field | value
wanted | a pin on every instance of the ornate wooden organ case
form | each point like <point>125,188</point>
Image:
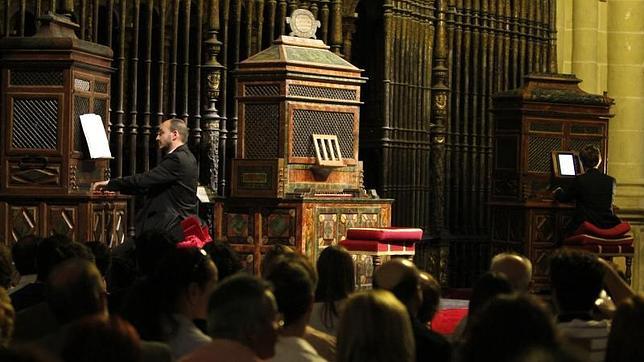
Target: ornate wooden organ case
<point>48,81</point>
<point>282,192</point>
<point>548,113</point>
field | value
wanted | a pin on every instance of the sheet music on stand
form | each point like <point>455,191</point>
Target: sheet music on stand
<point>95,136</point>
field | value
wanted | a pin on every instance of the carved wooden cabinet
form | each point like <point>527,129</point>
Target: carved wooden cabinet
<point>48,81</point>
<point>307,225</point>
<point>548,113</point>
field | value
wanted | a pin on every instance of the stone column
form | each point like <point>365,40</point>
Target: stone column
<point>586,53</point>
<point>625,83</point>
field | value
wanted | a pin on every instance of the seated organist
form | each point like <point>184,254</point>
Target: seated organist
<point>593,192</point>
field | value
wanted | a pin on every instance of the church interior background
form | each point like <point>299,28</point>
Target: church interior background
<point>426,124</point>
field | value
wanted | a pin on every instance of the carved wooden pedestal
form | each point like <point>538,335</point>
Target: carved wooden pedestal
<point>80,218</point>
<point>308,225</point>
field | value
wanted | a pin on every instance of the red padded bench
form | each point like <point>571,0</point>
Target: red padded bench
<point>379,242</point>
<point>606,243</point>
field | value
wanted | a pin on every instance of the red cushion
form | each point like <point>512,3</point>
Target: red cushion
<point>375,246</point>
<point>388,234</point>
<point>585,239</point>
<point>611,233</point>
<point>446,320</point>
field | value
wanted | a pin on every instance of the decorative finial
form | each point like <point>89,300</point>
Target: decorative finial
<point>303,24</point>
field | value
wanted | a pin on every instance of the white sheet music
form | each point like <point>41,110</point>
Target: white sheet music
<point>95,136</point>
<point>567,164</point>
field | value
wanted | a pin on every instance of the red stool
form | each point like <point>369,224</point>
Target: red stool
<point>606,243</point>
<point>379,242</point>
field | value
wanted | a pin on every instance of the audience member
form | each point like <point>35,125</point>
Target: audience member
<point>76,290</point>
<point>508,326</point>
<point>100,339</point>
<point>7,271</point>
<point>7,316</point>
<point>102,256</point>
<point>336,282</point>
<point>150,248</point>
<point>49,253</point>
<point>294,288</point>
<point>517,268</point>
<point>488,286</point>
<point>576,278</point>
<point>273,254</point>
<point>225,258</point>
<point>243,322</point>
<point>402,278</point>
<point>37,320</point>
<point>431,297</point>
<point>375,327</point>
<point>24,259</point>
<point>626,338</point>
<point>163,307</point>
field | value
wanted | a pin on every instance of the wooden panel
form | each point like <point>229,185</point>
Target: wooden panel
<point>23,221</point>
<point>62,220</point>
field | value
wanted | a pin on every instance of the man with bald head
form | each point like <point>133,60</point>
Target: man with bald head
<point>403,279</point>
<point>517,268</point>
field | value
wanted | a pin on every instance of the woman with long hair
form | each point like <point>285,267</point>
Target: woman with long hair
<point>375,327</point>
<point>336,281</point>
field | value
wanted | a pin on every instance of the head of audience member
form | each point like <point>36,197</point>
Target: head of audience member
<point>487,287</point>
<point>187,278</point>
<point>401,277</point>
<point>101,339</point>
<point>431,297</point>
<point>276,252</point>
<point>626,339</point>
<point>507,326</point>
<point>7,271</point>
<point>76,289</point>
<point>336,281</point>
<point>375,326</point>
<point>293,279</point>
<point>576,278</point>
<point>517,268</point>
<point>590,156</point>
<point>242,308</point>
<point>26,353</point>
<point>7,317</point>
<point>102,256</point>
<point>150,248</point>
<point>55,249</point>
<point>225,258</point>
<point>24,254</point>
<point>172,133</point>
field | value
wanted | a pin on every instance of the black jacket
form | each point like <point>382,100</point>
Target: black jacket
<point>593,193</point>
<point>170,192</point>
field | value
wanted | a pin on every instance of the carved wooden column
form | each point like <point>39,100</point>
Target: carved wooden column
<point>440,96</point>
<point>209,174</point>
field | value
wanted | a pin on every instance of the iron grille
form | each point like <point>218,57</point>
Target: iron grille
<point>81,106</point>
<point>100,108</point>
<point>307,122</point>
<point>35,123</point>
<point>100,87</point>
<point>576,144</point>
<point>539,150</point>
<point>261,130</point>
<point>260,90</point>
<point>31,78</point>
<point>322,92</point>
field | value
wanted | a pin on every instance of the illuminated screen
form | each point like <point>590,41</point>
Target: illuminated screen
<point>567,164</point>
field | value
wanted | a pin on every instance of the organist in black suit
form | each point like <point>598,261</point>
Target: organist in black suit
<point>593,192</point>
<point>170,188</point>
